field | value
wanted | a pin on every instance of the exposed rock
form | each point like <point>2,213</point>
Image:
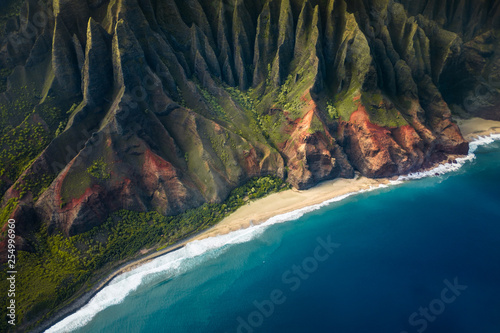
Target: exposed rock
<point>285,44</point>
<point>376,151</point>
<point>97,71</point>
<point>312,156</point>
<point>243,39</point>
<point>157,94</point>
<point>337,86</point>
<point>64,59</point>
<point>225,55</point>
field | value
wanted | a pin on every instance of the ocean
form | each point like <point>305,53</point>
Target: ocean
<point>421,255</point>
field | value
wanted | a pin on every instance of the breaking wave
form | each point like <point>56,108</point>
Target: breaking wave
<point>459,162</point>
<point>195,252</point>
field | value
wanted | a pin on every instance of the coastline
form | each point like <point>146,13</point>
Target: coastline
<point>476,127</point>
<point>261,210</point>
<point>254,213</point>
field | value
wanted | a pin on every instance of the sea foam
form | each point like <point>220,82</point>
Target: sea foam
<point>459,162</point>
<point>195,252</point>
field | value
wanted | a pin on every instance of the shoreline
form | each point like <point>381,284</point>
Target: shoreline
<point>288,201</point>
<point>261,210</point>
<point>474,128</point>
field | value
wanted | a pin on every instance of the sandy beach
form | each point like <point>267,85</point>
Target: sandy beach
<point>259,211</point>
<point>475,127</point>
<point>255,212</point>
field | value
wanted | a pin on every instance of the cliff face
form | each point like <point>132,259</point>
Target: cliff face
<point>165,105</point>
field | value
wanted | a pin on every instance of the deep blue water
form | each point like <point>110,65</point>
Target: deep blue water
<point>398,251</point>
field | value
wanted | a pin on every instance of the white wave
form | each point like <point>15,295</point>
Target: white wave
<point>459,162</point>
<point>175,263</point>
<point>296,214</point>
<point>168,265</point>
<point>440,169</point>
<point>181,260</point>
<point>483,140</point>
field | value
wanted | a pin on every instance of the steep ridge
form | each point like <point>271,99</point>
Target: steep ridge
<point>356,83</point>
<point>175,103</point>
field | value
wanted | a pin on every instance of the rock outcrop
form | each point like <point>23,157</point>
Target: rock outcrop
<point>167,105</point>
<point>178,102</point>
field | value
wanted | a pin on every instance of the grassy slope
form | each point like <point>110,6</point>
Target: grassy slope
<point>63,268</point>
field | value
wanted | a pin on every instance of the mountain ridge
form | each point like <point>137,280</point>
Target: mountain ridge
<point>164,106</point>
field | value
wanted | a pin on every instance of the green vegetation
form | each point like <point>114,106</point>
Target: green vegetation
<point>98,170</point>
<point>285,99</point>
<point>332,111</point>
<point>13,113</point>
<point>61,266</point>
<point>29,182</point>
<point>72,109</point>
<point>212,102</point>
<point>268,125</point>
<point>20,146</point>
<point>181,101</point>
<point>76,182</point>
<point>269,81</point>
<point>245,100</point>
<point>34,183</point>
<point>7,210</point>
<point>4,74</point>
<point>52,114</point>
<point>22,138</point>
<point>9,9</point>
<point>380,113</point>
<point>316,125</point>
<point>274,126</point>
<point>218,145</point>
<point>64,122</point>
<point>345,103</point>
<point>60,128</point>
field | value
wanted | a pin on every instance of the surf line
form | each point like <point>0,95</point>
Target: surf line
<point>82,313</point>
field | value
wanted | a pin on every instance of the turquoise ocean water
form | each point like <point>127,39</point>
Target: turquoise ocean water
<point>418,256</point>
